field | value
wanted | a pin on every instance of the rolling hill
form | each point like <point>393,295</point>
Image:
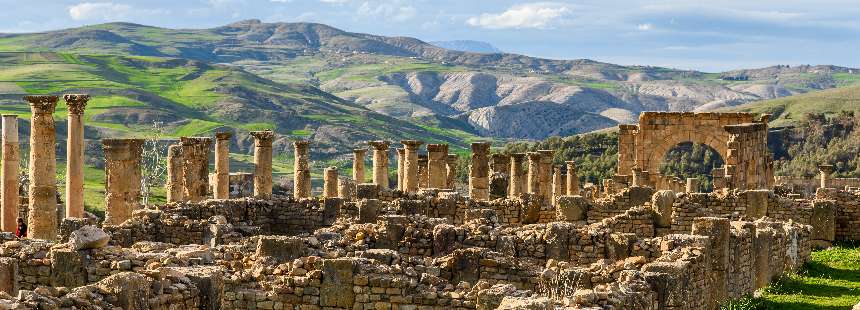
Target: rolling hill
<point>791,110</point>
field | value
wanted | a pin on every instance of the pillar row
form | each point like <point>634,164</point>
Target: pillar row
<point>263,163</point>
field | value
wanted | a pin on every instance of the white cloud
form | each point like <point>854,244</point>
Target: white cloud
<point>390,11</point>
<point>334,1</point>
<point>99,11</point>
<point>645,27</point>
<point>529,15</point>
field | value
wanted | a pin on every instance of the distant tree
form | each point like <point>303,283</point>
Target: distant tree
<point>153,168</point>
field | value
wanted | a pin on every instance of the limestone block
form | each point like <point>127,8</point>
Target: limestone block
<point>557,240</point>
<point>444,239</point>
<point>661,203</point>
<point>491,298</point>
<point>639,195</point>
<point>131,289</point>
<point>571,208</point>
<point>757,203</point>
<point>282,248</point>
<point>368,210</point>
<point>209,281</point>
<point>9,275</point>
<point>530,208</point>
<point>384,256</point>
<point>366,191</point>
<point>823,220</point>
<point>336,286</point>
<point>718,230</point>
<point>331,207</point>
<point>89,237</point>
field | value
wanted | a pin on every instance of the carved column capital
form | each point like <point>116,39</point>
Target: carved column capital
<point>223,136</point>
<point>263,138</point>
<point>76,102</point>
<point>380,145</point>
<point>42,104</point>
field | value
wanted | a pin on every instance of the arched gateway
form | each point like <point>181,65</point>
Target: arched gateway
<point>739,138</point>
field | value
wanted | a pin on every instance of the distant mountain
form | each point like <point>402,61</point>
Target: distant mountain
<point>426,90</point>
<point>468,46</point>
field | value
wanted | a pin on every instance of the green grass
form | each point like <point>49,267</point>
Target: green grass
<point>830,280</point>
<point>788,110</point>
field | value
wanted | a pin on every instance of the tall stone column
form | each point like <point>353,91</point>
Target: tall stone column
<point>380,162</point>
<point>479,171</point>
<point>451,171</point>
<point>533,179</point>
<point>826,175</point>
<point>10,174</point>
<point>222,165</point>
<point>263,163</point>
<point>358,165</point>
<point>302,169</point>
<point>75,155</point>
<point>557,184</point>
<point>401,166</point>
<point>437,155</point>
<point>175,174</point>
<point>423,176</point>
<point>546,173</point>
<point>517,176</point>
<point>572,179</point>
<point>42,216</point>
<point>330,180</point>
<point>122,174</point>
<point>195,155</point>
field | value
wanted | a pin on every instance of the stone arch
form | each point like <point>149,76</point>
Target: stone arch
<point>657,154</point>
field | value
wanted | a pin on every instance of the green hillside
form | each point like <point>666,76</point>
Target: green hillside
<point>791,110</point>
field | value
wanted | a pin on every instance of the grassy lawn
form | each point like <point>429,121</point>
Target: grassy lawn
<point>830,280</point>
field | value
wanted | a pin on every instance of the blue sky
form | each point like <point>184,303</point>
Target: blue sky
<point>687,34</point>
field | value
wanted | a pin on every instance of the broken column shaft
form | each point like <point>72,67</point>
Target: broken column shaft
<point>572,179</point>
<point>330,180</point>
<point>533,182</point>
<point>410,165</point>
<point>42,218</point>
<point>302,169</point>
<point>451,170</point>
<point>380,162</point>
<point>437,155</point>
<point>358,165</point>
<point>401,164</point>
<point>515,185</point>
<point>263,163</point>
<point>222,165</point>
<point>195,155</point>
<point>175,174</point>
<point>479,171</point>
<point>122,175</point>
<point>9,204</point>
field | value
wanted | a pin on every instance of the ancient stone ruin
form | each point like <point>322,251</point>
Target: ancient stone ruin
<point>526,234</point>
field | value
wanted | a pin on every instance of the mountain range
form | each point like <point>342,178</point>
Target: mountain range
<point>338,88</point>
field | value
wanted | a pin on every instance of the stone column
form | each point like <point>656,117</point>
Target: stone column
<point>451,171</point>
<point>122,174</point>
<point>175,174</point>
<point>75,155</point>
<point>358,165</point>
<point>692,185</point>
<point>533,179</point>
<point>515,185</point>
<point>330,180</point>
<point>401,166</point>
<point>546,173</point>
<point>302,170</point>
<point>558,188</point>
<point>10,174</point>
<point>380,162</point>
<point>479,171</point>
<point>42,216</point>
<point>263,163</point>
<point>195,155</point>
<point>572,179</point>
<point>410,165</point>
<point>222,165</point>
<point>636,180</point>
<point>437,155</point>
<point>826,175</point>
<point>423,176</point>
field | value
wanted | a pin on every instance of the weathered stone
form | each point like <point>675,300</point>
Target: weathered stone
<point>9,275</point>
<point>175,174</point>
<point>67,268</point>
<point>571,208</point>
<point>222,165</point>
<point>9,173</point>
<point>76,104</point>
<point>301,170</point>
<point>661,203</point>
<point>122,170</point>
<point>42,222</point>
<point>380,162</point>
<point>410,165</point>
<point>336,285</point>
<point>330,179</point>
<point>195,156</point>
<point>282,248</point>
<point>479,172</point>
<point>368,210</point>
<point>89,237</point>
